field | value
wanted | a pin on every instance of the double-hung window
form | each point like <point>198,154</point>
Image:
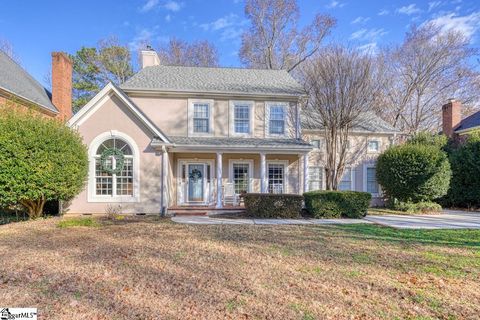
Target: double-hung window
<point>201,118</point>
<point>316,144</point>
<point>242,116</point>
<point>346,181</point>
<point>315,178</point>
<point>373,146</point>
<point>277,119</point>
<point>276,177</point>
<point>241,177</point>
<point>372,183</point>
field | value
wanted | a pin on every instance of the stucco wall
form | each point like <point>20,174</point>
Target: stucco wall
<point>358,155</point>
<point>170,114</point>
<point>113,115</point>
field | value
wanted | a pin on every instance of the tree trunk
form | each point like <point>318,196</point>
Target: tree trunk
<point>34,207</point>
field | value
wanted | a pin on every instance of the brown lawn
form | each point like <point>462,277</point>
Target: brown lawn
<point>146,268</point>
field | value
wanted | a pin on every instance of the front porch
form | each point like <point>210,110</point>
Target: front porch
<point>216,181</point>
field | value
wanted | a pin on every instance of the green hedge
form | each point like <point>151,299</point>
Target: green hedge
<point>337,204</point>
<point>414,172</point>
<point>418,207</point>
<point>266,205</point>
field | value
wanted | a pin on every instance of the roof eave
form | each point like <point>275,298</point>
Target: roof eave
<point>295,96</point>
<point>29,101</point>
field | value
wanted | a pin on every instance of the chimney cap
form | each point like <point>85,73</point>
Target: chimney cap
<point>149,48</point>
<point>451,100</point>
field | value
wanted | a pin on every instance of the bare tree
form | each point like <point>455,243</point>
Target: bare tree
<point>421,74</point>
<point>181,53</point>
<point>7,48</point>
<point>341,87</point>
<point>274,40</point>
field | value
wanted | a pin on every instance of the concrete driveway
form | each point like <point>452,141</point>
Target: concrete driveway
<point>448,220</point>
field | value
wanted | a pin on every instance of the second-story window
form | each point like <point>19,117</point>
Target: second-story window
<point>201,118</point>
<point>373,146</point>
<point>241,118</point>
<point>277,119</point>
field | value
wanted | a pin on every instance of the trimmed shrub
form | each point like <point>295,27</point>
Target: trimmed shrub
<point>428,139</point>
<point>414,172</point>
<point>418,207</point>
<point>337,204</point>
<point>267,205</point>
<point>40,160</point>
<point>465,185</point>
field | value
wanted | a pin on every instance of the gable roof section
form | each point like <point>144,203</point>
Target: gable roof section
<point>368,122</point>
<point>96,102</point>
<point>469,123</point>
<point>15,80</point>
<point>214,80</point>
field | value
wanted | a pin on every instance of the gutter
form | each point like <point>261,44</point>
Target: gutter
<point>9,94</point>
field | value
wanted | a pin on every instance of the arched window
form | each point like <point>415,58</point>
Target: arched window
<point>114,173</point>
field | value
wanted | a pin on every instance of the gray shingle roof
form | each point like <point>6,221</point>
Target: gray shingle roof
<point>469,122</point>
<point>239,142</point>
<point>14,79</point>
<point>367,122</point>
<point>215,80</point>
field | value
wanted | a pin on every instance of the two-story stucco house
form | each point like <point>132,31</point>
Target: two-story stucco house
<point>369,137</point>
<point>172,136</point>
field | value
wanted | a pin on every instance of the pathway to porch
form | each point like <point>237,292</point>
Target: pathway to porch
<point>209,220</point>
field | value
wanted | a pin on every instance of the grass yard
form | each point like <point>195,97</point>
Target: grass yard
<point>147,268</point>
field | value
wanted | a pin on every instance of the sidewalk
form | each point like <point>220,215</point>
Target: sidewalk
<point>208,220</point>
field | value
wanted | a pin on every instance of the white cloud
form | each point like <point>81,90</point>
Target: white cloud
<point>169,5</point>
<point>368,34</point>
<point>360,20</point>
<point>141,38</point>
<point>433,4</point>
<point>467,25</point>
<point>149,5</point>
<point>383,12</point>
<point>335,4</point>
<point>369,48</point>
<point>230,26</point>
<point>409,10</point>
<point>173,6</point>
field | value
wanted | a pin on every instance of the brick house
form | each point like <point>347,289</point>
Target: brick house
<point>18,89</point>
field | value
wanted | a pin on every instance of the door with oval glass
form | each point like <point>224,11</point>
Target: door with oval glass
<point>196,176</point>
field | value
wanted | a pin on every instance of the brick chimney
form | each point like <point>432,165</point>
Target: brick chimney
<point>451,115</point>
<point>62,84</point>
<point>149,57</point>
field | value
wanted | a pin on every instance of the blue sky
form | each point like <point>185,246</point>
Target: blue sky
<point>36,28</point>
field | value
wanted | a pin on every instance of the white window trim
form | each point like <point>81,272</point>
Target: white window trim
<point>178,176</point>
<point>286,173</point>
<point>251,105</point>
<point>322,170</point>
<point>365,166</point>
<point>231,162</point>
<point>92,150</point>
<point>372,150</point>
<point>352,178</point>
<point>321,142</point>
<point>268,105</point>
<point>211,130</point>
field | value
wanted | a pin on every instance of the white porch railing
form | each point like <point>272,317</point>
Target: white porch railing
<point>208,193</point>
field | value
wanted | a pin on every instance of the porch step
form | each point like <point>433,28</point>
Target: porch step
<point>202,210</point>
<point>188,213</point>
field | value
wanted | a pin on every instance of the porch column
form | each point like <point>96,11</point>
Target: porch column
<point>164,180</point>
<point>219,180</point>
<point>305,172</point>
<point>263,178</point>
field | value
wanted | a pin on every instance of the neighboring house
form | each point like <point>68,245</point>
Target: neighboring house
<point>369,137</point>
<point>453,125</point>
<point>20,90</point>
<point>187,136</point>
